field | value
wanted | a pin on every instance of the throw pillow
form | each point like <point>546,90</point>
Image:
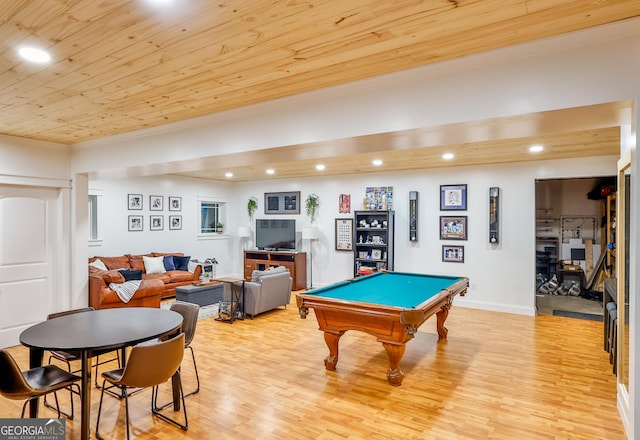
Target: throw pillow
<point>131,275</point>
<point>257,274</point>
<point>168,262</point>
<point>181,263</point>
<point>98,264</point>
<point>154,264</point>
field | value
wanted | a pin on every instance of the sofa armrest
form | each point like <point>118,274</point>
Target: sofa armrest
<point>96,284</point>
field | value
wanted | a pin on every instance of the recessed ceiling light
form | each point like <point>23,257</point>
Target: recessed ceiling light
<point>271,171</point>
<point>34,54</point>
<point>448,156</point>
<point>536,148</point>
<point>160,2</point>
<point>228,174</point>
<point>377,162</point>
<point>320,167</point>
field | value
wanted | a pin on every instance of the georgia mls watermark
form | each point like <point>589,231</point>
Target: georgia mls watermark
<point>33,429</point>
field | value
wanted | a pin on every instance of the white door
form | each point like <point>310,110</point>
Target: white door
<point>28,225</point>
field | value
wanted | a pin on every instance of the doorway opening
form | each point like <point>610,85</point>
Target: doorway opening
<point>575,251</point>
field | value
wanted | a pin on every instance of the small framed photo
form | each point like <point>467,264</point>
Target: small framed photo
<point>156,222</point>
<point>453,197</point>
<point>175,222</point>
<point>376,254</point>
<point>282,203</point>
<point>344,203</point>
<point>155,203</point>
<point>453,254</point>
<point>134,201</point>
<point>344,234</point>
<point>135,223</point>
<point>453,228</point>
<point>175,203</point>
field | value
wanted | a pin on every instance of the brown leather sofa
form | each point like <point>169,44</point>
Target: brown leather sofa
<point>153,288</point>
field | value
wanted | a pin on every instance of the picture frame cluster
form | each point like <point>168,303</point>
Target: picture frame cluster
<point>135,202</point>
<point>453,227</point>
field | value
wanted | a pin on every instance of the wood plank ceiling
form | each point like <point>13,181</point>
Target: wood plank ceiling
<point>122,65</point>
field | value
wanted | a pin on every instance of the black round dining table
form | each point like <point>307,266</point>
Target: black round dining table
<point>96,332</point>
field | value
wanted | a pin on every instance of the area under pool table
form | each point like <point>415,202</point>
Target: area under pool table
<point>388,305</point>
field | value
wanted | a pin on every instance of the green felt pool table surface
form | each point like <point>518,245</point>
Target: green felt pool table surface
<point>394,289</point>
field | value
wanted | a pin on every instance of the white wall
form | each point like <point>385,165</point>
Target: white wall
<point>502,276</point>
<point>118,240</point>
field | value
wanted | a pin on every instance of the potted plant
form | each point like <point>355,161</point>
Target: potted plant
<point>312,203</point>
<point>252,205</point>
<point>219,227</point>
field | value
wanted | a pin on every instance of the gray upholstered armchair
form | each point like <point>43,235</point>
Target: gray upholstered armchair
<point>271,289</point>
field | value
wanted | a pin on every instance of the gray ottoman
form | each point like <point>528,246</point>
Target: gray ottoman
<point>201,295</point>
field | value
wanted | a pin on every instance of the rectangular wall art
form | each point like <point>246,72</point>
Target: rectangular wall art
<point>453,228</point>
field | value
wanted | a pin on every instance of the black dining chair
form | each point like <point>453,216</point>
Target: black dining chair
<point>67,357</point>
<point>149,365</point>
<point>27,385</point>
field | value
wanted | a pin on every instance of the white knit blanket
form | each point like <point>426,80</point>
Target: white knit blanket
<point>125,290</point>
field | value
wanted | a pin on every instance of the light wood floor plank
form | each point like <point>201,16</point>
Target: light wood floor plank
<point>498,376</point>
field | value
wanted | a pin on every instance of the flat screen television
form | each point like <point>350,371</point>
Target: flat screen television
<point>276,235</point>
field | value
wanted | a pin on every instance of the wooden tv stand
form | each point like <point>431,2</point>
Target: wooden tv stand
<point>295,262</point>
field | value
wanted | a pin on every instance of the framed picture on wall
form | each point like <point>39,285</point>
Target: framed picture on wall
<point>135,223</point>
<point>453,254</point>
<point>155,203</point>
<point>344,204</point>
<point>453,197</point>
<point>175,203</point>
<point>282,203</point>
<point>156,222</point>
<point>344,234</point>
<point>175,222</point>
<point>453,228</point>
<point>134,201</point>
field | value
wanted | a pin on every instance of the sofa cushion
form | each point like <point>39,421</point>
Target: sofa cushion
<point>97,263</point>
<point>168,262</point>
<point>153,264</point>
<point>164,277</point>
<point>115,263</point>
<point>179,276</point>
<point>131,275</point>
<point>112,276</point>
<point>136,262</point>
<point>257,274</point>
<point>181,263</point>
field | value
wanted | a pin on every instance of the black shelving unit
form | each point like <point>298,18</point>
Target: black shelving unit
<point>373,241</point>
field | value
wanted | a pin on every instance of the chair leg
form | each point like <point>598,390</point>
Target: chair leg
<point>155,410</point>
<point>195,368</point>
<point>197,390</point>
<point>98,363</point>
<point>104,388</point>
<point>57,408</point>
<point>98,436</point>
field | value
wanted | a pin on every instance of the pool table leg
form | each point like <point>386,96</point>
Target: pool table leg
<point>394,353</point>
<point>332,340</point>
<point>441,317</point>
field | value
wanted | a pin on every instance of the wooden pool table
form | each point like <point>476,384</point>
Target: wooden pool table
<point>388,305</point>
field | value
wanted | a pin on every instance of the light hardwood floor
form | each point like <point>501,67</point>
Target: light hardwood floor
<point>498,376</point>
